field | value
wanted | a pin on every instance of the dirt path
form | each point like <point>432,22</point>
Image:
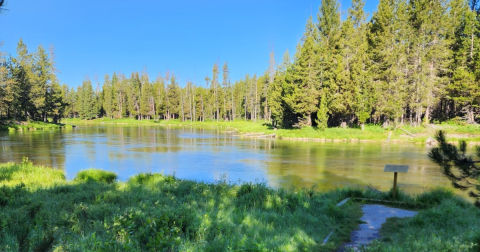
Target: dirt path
<point>373,216</point>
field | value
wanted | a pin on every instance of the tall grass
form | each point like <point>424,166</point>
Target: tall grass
<point>452,225</point>
<point>41,211</point>
<point>153,212</point>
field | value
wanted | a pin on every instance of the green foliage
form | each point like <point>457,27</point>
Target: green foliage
<point>451,225</point>
<point>457,166</point>
<point>96,176</point>
<point>153,212</point>
<point>322,116</point>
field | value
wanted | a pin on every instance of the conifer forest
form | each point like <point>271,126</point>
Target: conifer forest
<point>411,62</point>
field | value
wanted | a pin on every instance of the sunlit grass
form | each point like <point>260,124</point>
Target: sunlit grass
<point>41,211</point>
<point>154,212</point>
<point>13,125</point>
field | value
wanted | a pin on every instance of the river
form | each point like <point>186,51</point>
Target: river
<point>210,155</point>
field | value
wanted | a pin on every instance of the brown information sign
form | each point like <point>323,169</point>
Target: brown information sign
<point>396,168</point>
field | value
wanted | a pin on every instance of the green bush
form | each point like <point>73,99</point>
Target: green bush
<point>96,176</point>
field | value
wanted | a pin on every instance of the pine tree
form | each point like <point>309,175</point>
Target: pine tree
<point>108,97</point>
<point>215,88</point>
<point>22,78</point>
<point>146,94</point>
<point>430,54</point>
<point>7,90</point>
<point>363,91</point>
<point>464,89</point>
<point>275,91</point>
<point>134,95</point>
<point>303,98</point>
<point>459,168</point>
<point>159,94</point>
<point>225,86</point>
<point>55,101</point>
<point>328,40</point>
<point>322,114</point>
<point>86,97</point>
<point>389,43</point>
<point>173,98</point>
<point>41,83</point>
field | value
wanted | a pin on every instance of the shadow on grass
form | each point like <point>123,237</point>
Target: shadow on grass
<point>152,212</point>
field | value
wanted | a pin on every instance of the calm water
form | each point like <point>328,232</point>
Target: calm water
<point>209,155</point>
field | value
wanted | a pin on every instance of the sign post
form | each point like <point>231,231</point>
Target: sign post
<point>395,169</point>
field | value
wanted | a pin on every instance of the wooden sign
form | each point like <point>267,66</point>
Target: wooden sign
<point>396,168</point>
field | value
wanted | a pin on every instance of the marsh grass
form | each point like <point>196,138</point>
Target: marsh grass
<point>154,212</point>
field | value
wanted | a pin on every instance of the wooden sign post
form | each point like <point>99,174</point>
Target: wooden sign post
<point>395,169</point>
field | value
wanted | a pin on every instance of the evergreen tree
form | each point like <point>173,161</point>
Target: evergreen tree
<point>7,88</point>
<point>329,37</point>
<point>41,83</point>
<point>464,89</point>
<point>173,98</point>
<point>459,168</point>
<point>215,89</point>
<point>430,54</point>
<point>322,116</point>
<point>363,91</point>
<point>303,98</point>
<point>134,95</point>
<point>86,98</point>
<point>389,43</point>
<point>146,110</point>
<point>55,101</point>
<point>275,91</point>
<point>108,99</point>
<point>22,78</point>
<point>226,86</point>
<point>159,93</point>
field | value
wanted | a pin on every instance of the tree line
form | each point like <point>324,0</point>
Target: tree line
<point>412,62</point>
<point>415,61</point>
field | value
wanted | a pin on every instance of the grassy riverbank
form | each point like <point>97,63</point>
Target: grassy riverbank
<point>152,212</point>
<point>40,210</point>
<point>377,133</point>
<point>13,125</point>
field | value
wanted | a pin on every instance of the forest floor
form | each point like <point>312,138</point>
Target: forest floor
<point>41,211</point>
<point>377,133</point>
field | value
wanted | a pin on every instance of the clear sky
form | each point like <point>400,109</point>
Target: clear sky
<point>97,37</point>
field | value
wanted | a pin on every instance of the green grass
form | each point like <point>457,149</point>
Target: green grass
<point>12,125</point>
<point>41,211</point>
<point>452,225</point>
<point>470,133</point>
<point>95,175</point>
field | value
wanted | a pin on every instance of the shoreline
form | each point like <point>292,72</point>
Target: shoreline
<point>373,133</point>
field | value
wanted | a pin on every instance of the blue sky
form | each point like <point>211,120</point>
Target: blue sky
<point>94,38</point>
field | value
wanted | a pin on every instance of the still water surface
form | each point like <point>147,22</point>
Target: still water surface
<point>209,155</point>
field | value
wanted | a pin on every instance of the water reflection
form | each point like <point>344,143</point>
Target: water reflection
<point>210,154</point>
